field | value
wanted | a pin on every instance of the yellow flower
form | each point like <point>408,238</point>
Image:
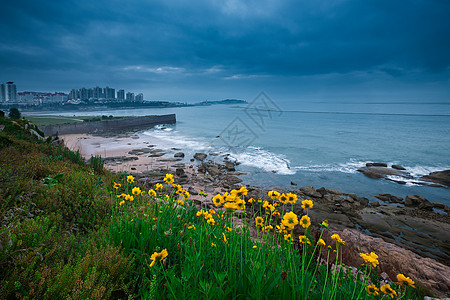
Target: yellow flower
<point>291,198</point>
<point>321,242</point>
<point>273,194</point>
<point>192,226</point>
<point>370,258</point>
<point>225,240</point>
<point>403,280</point>
<point>136,191</point>
<point>180,202</point>
<point>200,213</point>
<point>305,221</point>
<point>259,221</point>
<point>211,221</point>
<point>270,207</point>
<point>283,198</point>
<point>372,290</point>
<point>130,179</point>
<point>186,195</point>
<point>158,186</point>
<point>276,213</point>
<point>217,199</point>
<point>324,224</point>
<point>117,185</point>
<point>307,204</point>
<point>290,220</point>
<point>240,204</point>
<point>213,245</point>
<point>169,179</point>
<point>166,197</point>
<point>230,206</point>
<point>385,288</point>
<point>265,203</point>
<point>121,202</point>
<point>338,239</point>
<point>242,191</point>
<point>129,198</point>
<point>227,229</point>
<point>287,237</point>
<point>121,195</point>
<point>254,247</point>
<point>152,193</point>
<point>280,228</point>
<point>304,240</point>
<point>158,256</point>
<point>267,228</point>
<point>251,200</point>
<point>202,193</point>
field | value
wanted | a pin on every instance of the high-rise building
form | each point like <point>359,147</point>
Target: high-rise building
<point>130,96</point>
<point>98,92</point>
<point>83,94</point>
<point>109,93</point>
<point>8,92</point>
<point>139,97</point>
<point>121,95</point>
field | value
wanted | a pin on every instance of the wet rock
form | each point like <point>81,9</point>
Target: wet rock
<point>333,199</point>
<point>200,156</point>
<point>374,203</point>
<point>180,172</point>
<point>389,198</point>
<point>418,201</point>
<point>231,180</point>
<point>441,177</point>
<point>310,191</point>
<point>380,172</point>
<point>192,191</point>
<point>229,166</point>
<point>336,192</point>
<point>202,169</point>
<point>376,164</point>
<point>213,169</point>
<point>438,205</point>
<point>394,260</point>
<point>398,167</point>
<point>178,154</point>
<point>293,183</point>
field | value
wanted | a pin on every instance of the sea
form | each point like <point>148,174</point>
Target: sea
<point>319,143</point>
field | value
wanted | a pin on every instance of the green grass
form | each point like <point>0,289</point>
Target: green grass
<point>41,120</point>
<point>65,234</point>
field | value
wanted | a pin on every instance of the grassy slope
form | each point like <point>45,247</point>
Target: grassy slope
<point>50,245</point>
<point>58,120</point>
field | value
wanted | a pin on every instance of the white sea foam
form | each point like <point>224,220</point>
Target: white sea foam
<point>349,167</point>
<point>166,137</point>
<point>266,160</point>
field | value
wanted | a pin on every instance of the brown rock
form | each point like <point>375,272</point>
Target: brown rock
<point>442,177</point>
<point>398,167</point>
<point>200,156</point>
<point>394,260</point>
<point>376,164</point>
<point>310,191</point>
<point>389,198</point>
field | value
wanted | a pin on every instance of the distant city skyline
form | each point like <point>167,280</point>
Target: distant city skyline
<point>293,50</point>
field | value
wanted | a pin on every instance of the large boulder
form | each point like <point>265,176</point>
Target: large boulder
<point>418,201</point>
<point>200,156</point>
<point>394,260</point>
<point>310,191</point>
<point>441,177</point>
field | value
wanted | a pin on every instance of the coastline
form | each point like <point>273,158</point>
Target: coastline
<point>419,234</point>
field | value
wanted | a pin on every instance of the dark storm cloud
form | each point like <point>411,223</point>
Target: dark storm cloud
<point>225,39</point>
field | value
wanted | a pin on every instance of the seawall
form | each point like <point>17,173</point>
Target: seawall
<point>108,125</point>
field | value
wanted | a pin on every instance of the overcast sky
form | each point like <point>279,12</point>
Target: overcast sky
<point>195,50</point>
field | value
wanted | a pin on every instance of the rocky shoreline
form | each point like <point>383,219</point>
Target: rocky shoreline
<point>396,227</point>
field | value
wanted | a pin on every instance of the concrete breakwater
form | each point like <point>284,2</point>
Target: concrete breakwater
<point>108,125</point>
